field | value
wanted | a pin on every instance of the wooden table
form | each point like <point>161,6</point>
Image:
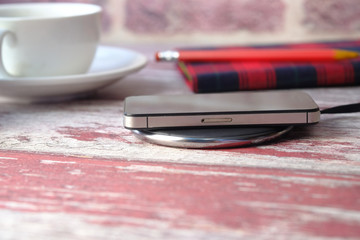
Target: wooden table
<point>70,170</point>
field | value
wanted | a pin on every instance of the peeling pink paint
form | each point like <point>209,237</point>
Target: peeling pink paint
<point>181,194</point>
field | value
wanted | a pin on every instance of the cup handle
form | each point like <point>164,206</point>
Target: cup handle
<point>3,71</point>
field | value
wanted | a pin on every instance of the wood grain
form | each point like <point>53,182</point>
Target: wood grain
<point>69,170</point>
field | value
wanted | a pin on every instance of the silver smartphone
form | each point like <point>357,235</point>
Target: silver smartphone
<point>221,109</point>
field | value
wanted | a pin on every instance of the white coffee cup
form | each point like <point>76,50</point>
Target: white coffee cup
<point>48,39</point>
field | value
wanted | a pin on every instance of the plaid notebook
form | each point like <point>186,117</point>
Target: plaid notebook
<point>235,76</point>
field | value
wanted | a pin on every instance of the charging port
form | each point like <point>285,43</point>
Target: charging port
<point>216,120</point>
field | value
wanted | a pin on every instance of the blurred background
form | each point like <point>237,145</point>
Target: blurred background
<point>220,22</point>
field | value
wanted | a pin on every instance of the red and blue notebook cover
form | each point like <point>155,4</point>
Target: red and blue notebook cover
<point>237,76</point>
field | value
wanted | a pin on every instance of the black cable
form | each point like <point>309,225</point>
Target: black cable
<point>348,108</point>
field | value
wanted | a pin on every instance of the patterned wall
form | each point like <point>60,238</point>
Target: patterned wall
<point>225,21</point>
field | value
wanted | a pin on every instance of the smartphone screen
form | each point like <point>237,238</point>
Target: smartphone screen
<point>220,109</point>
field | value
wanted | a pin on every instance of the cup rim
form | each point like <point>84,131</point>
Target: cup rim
<point>91,9</point>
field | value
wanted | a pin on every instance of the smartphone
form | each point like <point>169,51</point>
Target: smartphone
<point>261,108</point>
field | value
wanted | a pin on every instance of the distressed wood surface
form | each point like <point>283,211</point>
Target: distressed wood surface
<point>69,170</point>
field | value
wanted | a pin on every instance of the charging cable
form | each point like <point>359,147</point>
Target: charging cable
<point>348,108</point>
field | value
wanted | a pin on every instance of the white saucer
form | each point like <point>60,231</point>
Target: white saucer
<point>110,65</point>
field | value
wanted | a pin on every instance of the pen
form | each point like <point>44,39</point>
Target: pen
<point>269,55</point>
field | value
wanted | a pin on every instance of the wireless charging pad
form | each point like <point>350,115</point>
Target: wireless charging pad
<point>205,138</point>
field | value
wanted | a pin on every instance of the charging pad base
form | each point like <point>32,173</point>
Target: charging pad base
<point>208,138</point>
